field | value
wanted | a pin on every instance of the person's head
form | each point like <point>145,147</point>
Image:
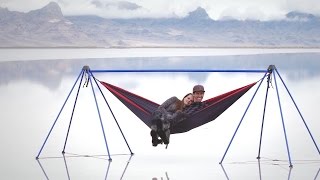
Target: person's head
<point>198,93</point>
<point>187,99</point>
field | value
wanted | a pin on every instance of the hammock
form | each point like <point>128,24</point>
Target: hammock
<point>143,108</point>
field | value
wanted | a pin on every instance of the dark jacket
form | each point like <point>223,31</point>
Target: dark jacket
<point>168,113</point>
<point>196,106</point>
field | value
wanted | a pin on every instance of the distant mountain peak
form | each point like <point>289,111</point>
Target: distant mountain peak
<point>295,15</point>
<point>52,5</point>
<point>3,9</point>
<point>199,13</point>
<point>52,10</point>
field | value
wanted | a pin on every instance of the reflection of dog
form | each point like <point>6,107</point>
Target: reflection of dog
<point>154,178</point>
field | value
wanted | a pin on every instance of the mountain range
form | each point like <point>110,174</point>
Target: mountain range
<point>48,27</point>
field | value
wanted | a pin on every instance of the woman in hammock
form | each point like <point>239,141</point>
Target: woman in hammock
<point>168,113</point>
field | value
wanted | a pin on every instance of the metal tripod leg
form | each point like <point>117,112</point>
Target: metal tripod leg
<point>74,106</point>
<point>242,118</point>
<point>45,141</point>
<point>95,99</point>
<point>314,142</point>
<point>283,125</point>
<point>112,113</point>
<point>264,111</point>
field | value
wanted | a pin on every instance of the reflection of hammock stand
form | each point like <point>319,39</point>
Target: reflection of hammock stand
<point>260,169</point>
<point>267,73</point>
<point>74,156</point>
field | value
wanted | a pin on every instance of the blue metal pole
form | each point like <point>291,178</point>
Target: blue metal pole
<point>74,105</point>
<point>175,70</point>
<point>263,115</point>
<point>58,114</point>
<point>284,128</point>
<point>314,142</point>
<point>95,99</point>
<point>242,117</point>
<point>114,117</point>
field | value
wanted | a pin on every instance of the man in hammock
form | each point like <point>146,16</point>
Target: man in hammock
<point>168,113</point>
<point>198,93</point>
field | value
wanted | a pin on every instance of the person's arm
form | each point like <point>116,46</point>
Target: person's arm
<point>177,117</point>
<point>167,103</point>
<point>162,109</point>
<point>189,109</point>
<point>194,107</point>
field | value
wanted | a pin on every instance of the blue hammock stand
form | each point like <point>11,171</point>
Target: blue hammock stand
<point>267,74</point>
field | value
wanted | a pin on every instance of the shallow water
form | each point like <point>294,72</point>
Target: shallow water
<point>33,92</point>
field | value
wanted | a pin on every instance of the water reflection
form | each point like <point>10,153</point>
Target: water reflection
<point>42,169</point>
<point>50,72</point>
<point>67,170</point>
<point>75,166</point>
<point>317,174</point>
<point>166,175</point>
<point>266,164</point>
<point>70,168</point>
<point>224,171</point>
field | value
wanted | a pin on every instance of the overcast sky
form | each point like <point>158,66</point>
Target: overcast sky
<point>217,9</point>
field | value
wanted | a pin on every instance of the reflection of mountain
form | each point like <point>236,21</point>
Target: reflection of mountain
<point>43,72</point>
<point>47,27</point>
<point>49,73</point>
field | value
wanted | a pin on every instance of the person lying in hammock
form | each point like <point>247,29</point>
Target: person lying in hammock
<point>168,113</point>
<point>198,93</point>
<point>173,111</point>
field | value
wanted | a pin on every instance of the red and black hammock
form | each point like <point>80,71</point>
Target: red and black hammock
<point>143,108</point>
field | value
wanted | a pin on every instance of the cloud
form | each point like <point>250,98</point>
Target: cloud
<point>124,5</point>
<point>97,3</point>
<point>23,6</point>
<point>102,8</point>
<point>309,6</point>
